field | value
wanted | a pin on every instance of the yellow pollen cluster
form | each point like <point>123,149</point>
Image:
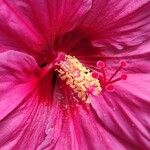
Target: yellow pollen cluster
<point>78,77</point>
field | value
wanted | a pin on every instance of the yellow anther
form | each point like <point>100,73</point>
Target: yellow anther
<point>78,77</point>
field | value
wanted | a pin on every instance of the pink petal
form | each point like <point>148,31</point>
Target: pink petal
<point>125,112</point>
<point>17,31</point>
<point>55,123</point>
<point>64,129</point>
<point>52,17</point>
<point>95,133</point>
<point>74,127</point>
<point>118,24</point>
<point>22,114</point>
<point>16,73</point>
<point>134,52</point>
<point>53,127</point>
<point>24,128</point>
<point>136,59</point>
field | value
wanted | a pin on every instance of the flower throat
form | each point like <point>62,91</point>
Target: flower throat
<point>77,77</point>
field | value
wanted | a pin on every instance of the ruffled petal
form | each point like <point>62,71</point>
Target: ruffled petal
<point>53,127</point>
<point>23,114</point>
<point>125,112</point>
<point>34,26</point>
<point>102,126</point>
<point>96,135</point>
<point>74,126</point>
<point>136,60</point>
<point>118,24</point>
<point>17,31</point>
<point>16,72</point>
<point>24,127</point>
<point>52,17</point>
<point>64,130</point>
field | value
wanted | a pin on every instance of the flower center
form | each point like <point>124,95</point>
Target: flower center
<point>80,79</point>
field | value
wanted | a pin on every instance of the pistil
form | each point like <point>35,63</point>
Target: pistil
<point>106,82</point>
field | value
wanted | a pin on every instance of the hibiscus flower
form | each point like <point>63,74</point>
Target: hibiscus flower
<point>74,74</point>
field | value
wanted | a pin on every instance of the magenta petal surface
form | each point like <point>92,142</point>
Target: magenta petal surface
<point>53,18</point>
<point>125,112</point>
<point>136,59</point>
<point>118,24</point>
<point>16,30</point>
<point>22,117</point>
<point>24,128</point>
<point>96,135</point>
<point>16,71</point>
<point>75,127</point>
